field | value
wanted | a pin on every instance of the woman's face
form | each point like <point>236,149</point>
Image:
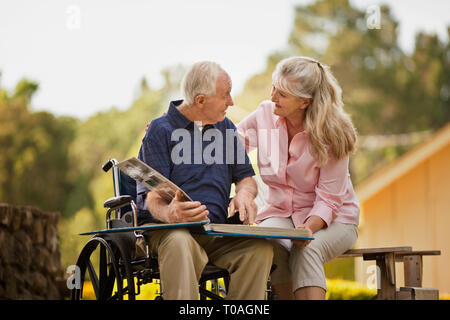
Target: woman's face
<point>287,105</point>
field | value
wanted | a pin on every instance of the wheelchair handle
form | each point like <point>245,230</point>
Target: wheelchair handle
<point>111,163</point>
<point>108,165</point>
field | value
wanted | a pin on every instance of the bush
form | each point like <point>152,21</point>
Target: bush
<point>337,290</point>
<point>444,296</point>
<point>348,290</point>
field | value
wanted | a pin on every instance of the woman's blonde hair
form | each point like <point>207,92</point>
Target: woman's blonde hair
<point>329,127</point>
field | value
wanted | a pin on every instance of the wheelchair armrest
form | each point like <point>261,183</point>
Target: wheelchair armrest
<point>117,201</point>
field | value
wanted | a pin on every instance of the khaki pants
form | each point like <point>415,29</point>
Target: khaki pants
<point>305,267</point>
<point>182,257</point>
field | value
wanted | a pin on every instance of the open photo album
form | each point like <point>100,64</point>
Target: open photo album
<point>155,181</point>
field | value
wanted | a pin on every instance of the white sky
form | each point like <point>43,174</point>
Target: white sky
<point>89,55</point>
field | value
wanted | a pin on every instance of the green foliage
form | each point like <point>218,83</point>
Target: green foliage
<point>34,148</point>
<point>69,228</point>
<point>24,90</point>
<point>444,296</point>
<point>348,290</point>
<point>257,88</point>
<point>385,90</point>
<point>108,135</point>
<point>340,268</point>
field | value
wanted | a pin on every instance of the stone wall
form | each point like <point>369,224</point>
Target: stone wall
<point>30,260</point>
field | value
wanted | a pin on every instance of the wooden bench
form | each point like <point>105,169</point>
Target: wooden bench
<point>413,270</point>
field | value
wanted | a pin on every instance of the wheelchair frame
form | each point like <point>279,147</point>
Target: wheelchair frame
<point>116,262</point>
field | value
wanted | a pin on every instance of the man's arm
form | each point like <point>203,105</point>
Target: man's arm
<point>156,153</point>
<point>177,210</point>
<point>243,201</point>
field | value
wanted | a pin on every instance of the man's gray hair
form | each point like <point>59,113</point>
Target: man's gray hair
<point>200,79</point>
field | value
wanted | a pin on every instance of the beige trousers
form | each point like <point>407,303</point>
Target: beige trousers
<point>305,267</point>
<point>182,257</point>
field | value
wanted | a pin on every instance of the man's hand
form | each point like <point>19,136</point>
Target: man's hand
<point>243,202</point>
<point>185,211</point>
<point>177,210</point>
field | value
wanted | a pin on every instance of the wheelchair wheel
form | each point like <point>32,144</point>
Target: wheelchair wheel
<point>107,275</point>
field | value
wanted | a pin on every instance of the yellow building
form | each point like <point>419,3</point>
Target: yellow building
<point>407,203</point>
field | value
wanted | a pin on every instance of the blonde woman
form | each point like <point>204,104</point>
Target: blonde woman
<point>304,139</point>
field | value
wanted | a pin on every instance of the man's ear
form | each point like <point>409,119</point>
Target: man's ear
<point>200,99</point>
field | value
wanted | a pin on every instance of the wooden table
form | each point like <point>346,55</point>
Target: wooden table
<point>413,270</point>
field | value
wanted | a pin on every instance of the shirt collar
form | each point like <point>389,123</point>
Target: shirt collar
<point>175,116</point>
<point>178,119</point>
<point>281,121</point>
<point>278,120</point>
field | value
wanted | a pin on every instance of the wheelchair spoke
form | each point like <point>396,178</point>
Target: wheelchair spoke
<point>94,278</point>
<point>108,286</point>
<point>108,270</point>
<point>103,272</point>
<point>208,294</point>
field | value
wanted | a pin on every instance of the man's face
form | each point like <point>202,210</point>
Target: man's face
<point>216,106</point>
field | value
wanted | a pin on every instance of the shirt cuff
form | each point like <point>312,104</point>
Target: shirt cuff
<point>323,211</point>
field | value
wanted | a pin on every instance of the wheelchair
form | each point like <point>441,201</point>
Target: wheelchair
<point>108,258</point>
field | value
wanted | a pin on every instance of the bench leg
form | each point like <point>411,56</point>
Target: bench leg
<point>386,264</point>
<point>413,269</point>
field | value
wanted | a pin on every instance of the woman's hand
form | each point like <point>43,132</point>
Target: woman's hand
<point>313,224</point>
<point>148,124</point>
<point>302,243</point>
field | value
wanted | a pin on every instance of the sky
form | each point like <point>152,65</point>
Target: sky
<point>90,55</point>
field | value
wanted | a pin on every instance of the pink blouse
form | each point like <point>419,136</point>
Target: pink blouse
<point>298,187</point>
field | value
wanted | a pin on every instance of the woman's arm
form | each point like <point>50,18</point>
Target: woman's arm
<point>247,131</point>
<point>330,191</point>
<point>313,224</point>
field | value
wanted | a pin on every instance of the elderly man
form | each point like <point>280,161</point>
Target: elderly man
<point>182,256</point>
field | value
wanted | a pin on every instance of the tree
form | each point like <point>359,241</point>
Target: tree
<point>34,164</point>
<point>385,90</point>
